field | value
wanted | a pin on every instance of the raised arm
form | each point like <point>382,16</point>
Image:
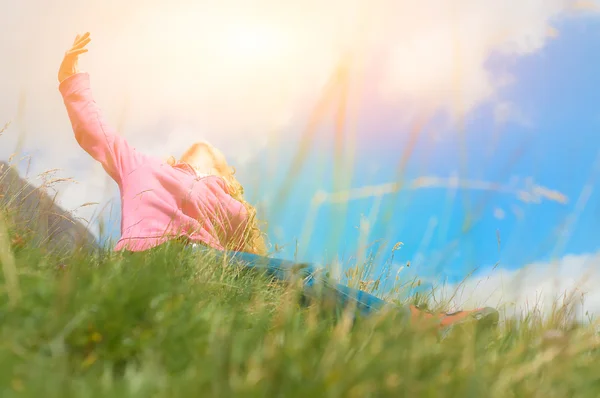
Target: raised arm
<point>92,133</point>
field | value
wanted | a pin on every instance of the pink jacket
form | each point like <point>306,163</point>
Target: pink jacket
<point>158,201</point>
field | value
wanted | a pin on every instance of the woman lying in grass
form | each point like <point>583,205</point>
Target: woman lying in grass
<point>197,200</point>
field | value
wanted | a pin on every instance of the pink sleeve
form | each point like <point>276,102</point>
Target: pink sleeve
<point>93,135</point>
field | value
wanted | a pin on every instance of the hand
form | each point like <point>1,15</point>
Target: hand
<point>68,67</point>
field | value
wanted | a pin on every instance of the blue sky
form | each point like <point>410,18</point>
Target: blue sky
<point>553,137</point>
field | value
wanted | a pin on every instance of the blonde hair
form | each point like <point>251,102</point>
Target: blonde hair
<point>253,237</point>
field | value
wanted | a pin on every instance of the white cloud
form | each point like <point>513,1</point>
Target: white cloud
<point>572,279</point>
<point>168,73</point>
<point>507,112</point>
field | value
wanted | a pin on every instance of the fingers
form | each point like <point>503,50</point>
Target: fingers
<point>81,41</point>
<point>85,36</point>
<point>78,47</point>
<point>76,52</point>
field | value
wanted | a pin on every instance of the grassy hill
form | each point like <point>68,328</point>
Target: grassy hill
<point>170,323</point>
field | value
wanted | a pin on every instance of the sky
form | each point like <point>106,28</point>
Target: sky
<point>486,113</point>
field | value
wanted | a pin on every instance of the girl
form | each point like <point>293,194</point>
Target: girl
<point>197,200</point>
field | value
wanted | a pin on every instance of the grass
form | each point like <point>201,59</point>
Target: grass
<point>168,323</point>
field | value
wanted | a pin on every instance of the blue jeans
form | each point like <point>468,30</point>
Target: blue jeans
<point>314,284</point>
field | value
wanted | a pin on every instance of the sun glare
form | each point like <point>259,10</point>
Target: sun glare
<point>253,43</point>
